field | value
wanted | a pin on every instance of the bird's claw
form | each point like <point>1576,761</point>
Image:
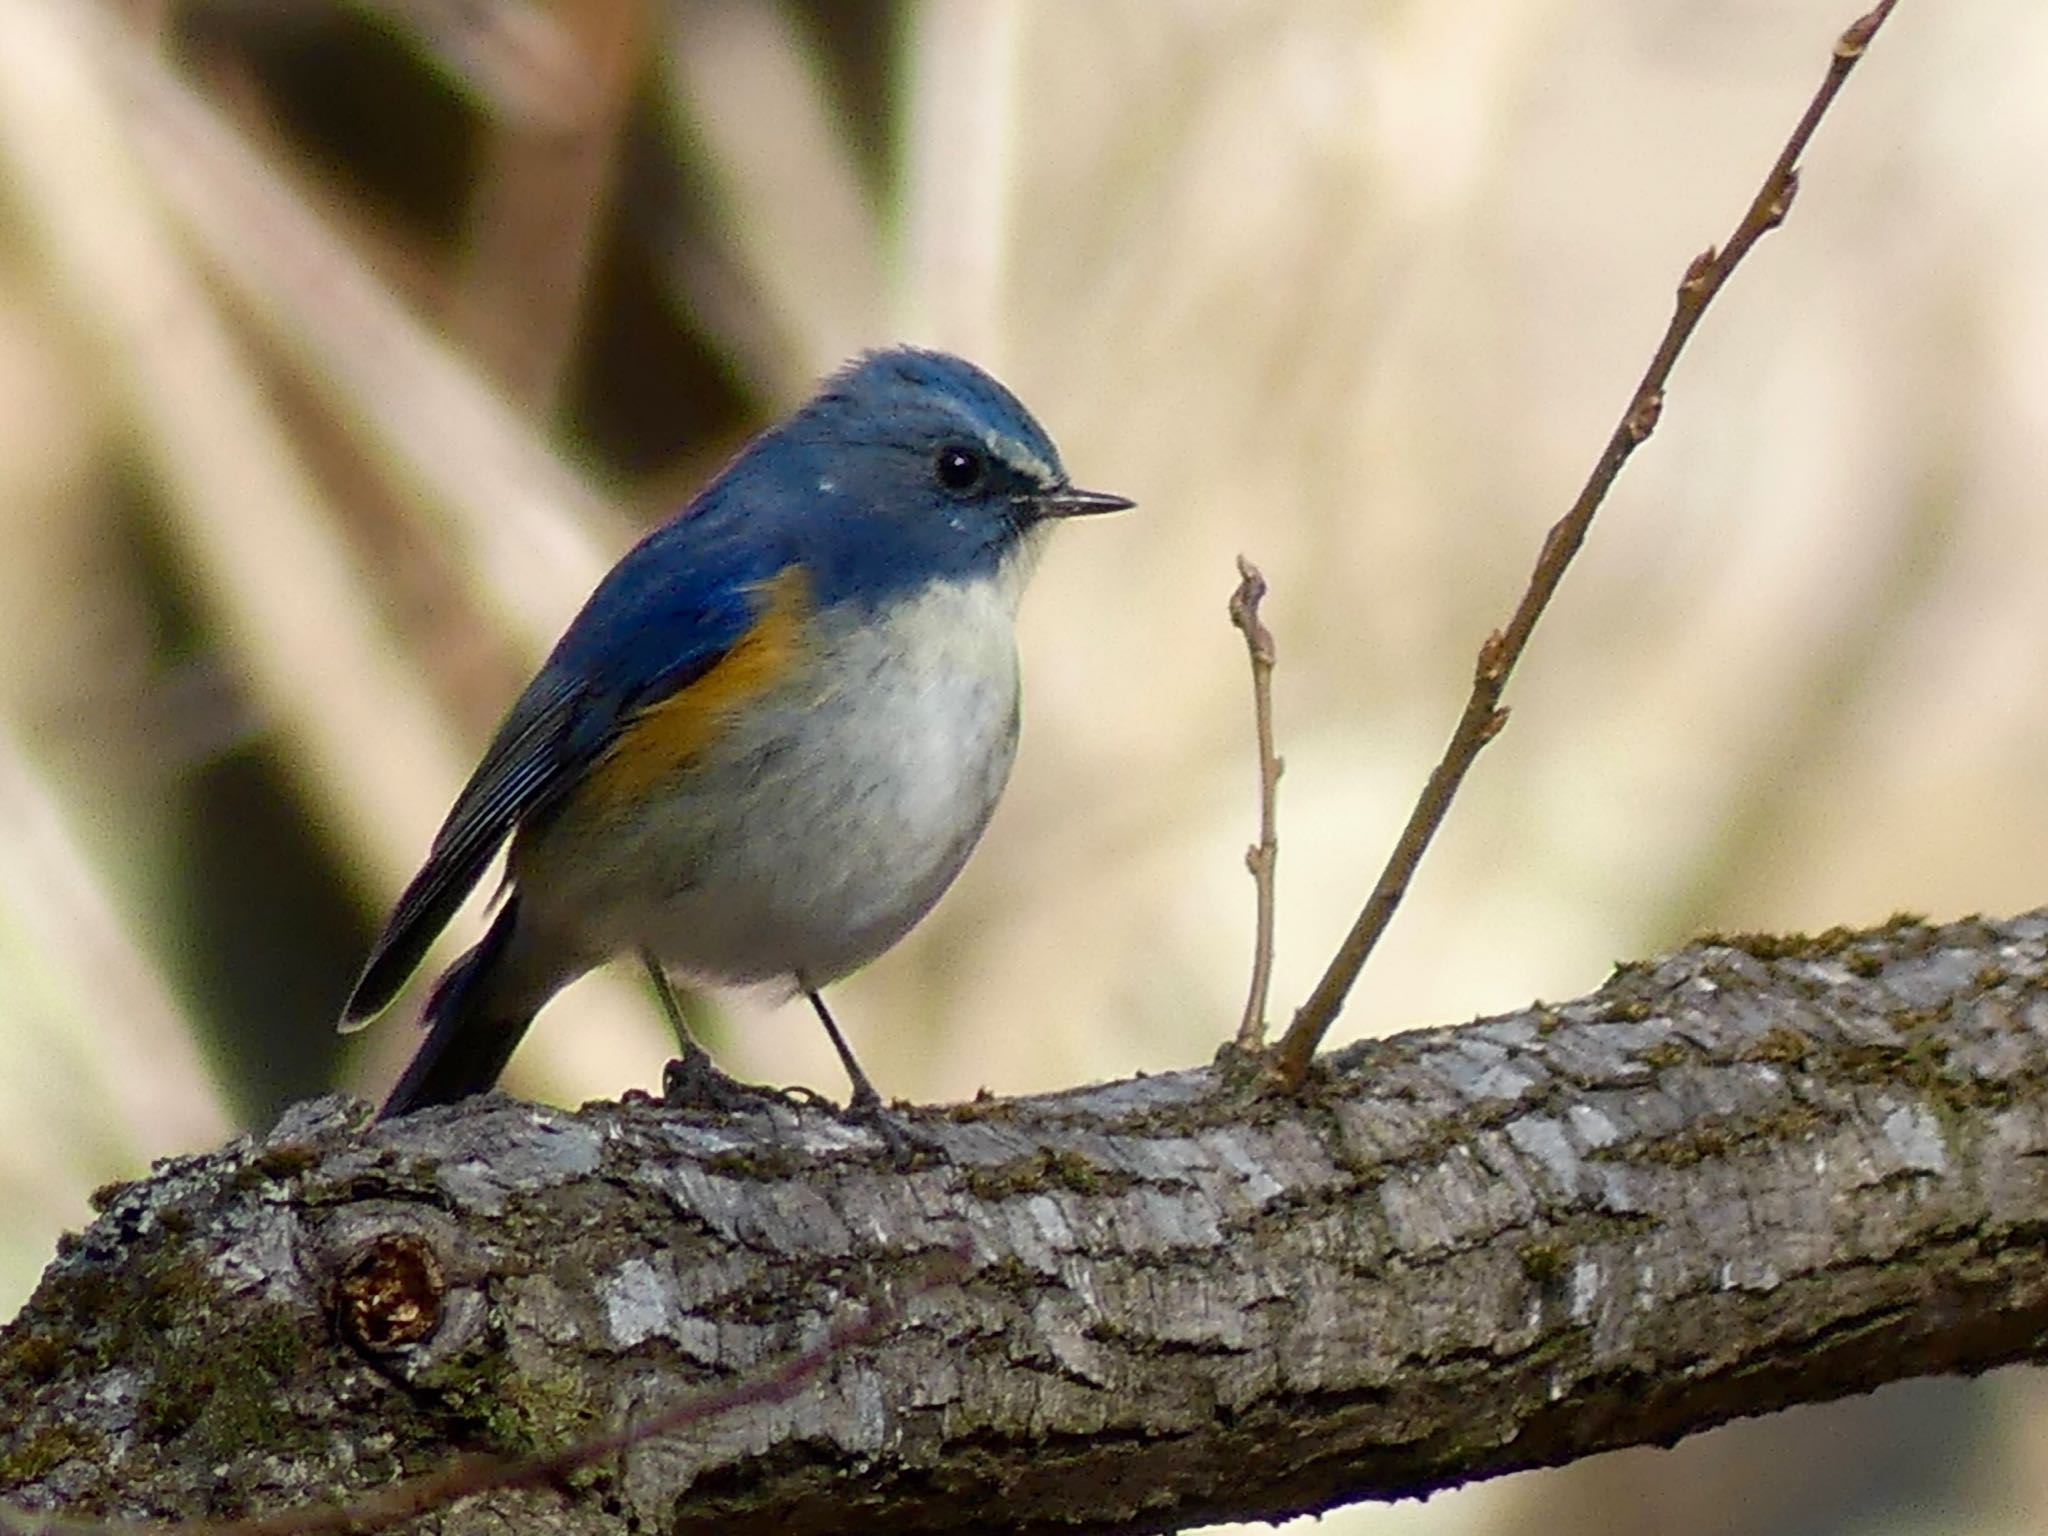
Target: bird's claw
<point>904,1142</point>
<point>694,1082</point>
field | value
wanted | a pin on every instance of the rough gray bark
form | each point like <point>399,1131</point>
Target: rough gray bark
<point>1755,1173</point>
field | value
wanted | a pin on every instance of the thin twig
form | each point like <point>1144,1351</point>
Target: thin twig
<point>465,1477</point>
<point>1483,716</point>
<point>1262,855</point>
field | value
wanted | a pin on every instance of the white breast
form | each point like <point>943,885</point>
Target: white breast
<point>822,828</point>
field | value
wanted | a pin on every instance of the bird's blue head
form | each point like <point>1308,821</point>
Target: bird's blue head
<point>912,466</point>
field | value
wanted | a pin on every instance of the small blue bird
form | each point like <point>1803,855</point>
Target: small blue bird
<point>771,738</point>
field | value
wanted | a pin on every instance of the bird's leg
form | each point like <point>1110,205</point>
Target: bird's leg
<point>693,1078</point>
<point>865,1101</point>
<point>685,1041</point>
<point>865,1106</point>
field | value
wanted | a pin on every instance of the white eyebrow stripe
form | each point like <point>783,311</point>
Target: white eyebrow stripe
<point>1021,458</point>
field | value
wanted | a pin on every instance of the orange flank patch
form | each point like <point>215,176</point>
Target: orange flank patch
<point>663,737</point>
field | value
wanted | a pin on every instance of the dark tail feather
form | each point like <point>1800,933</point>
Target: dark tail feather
<point>422,912</point>
<point>467,1043</point>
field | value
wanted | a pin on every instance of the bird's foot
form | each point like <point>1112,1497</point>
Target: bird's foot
<point>694,1082</point>
<point>903,1141</point>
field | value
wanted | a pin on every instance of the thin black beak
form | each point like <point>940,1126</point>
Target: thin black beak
<point>1068,501</point>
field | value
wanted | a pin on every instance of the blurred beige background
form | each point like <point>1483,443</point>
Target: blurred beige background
<point>341,347</point>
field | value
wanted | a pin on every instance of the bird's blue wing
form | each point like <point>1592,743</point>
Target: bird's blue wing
<point>668,613</point>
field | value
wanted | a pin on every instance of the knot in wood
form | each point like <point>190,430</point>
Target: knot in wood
<point>389,1294</point>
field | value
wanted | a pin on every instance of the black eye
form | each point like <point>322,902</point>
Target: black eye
<point>959,469</point>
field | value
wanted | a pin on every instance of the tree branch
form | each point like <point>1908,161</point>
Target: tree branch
<point>1757,1172</point>
<point>1483,715</point>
